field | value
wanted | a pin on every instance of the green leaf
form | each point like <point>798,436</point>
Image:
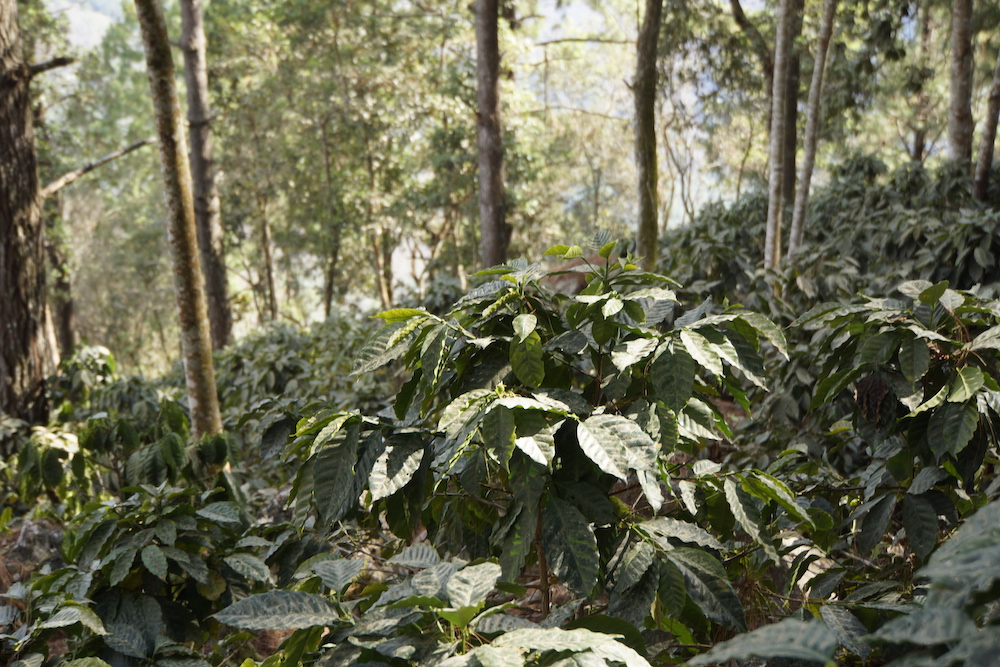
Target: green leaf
<point>221,512</point>
<point>766,487</point>
<point>928,626</point>
<point>748,516</point>
<point>493,656</point>
<point>702,351</point>
<point>876,522</point>
<point>526,359</point>
<point>662,529</point>
<point>470,586</point>
<point>395,467</point>
<point>570,546</point>
<point>709,587</point>
<point>966,384</point>
<point>336,574</point>
<point>497,428</point>
<point>71,615</point>
<point>155,561</point>
<point>394,315</point>
<point>382,348</point>
<point>524,324</point>
<point>602,446</point>
<point>914,358</point>
<point>951,427</point>
<point>278,610</point>
<point>932,294</point>
<point>416,556</point>
<point>628,353</point>
<point>766,328</point>
<point>122,566</point>
<point>190,563</point>
<point>556,250</point>
<point>603,329</point>
<point>988,340</point>
<point>552,639</point>
<point>921,523</point>
<point>672,375</point>
<point>248,565</point>
<point>634,564</point>
<point>333,475</point>
<point>848,628</point>
<point>789,638</point>
<point>879,348</point>
<point>611,307</point>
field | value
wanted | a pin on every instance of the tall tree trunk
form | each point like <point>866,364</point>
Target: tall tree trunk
<point>22,258</point>
<point>960,106</point>
<point>492,213</point>
<point>922,114</point>
<point>985,161</point>
<point>772,238</point>
<point>814,115</point>
<point>268,257</point>
<point>790,142</point>
<point>196,344</point>
<point>206,194</point>
<point>644,89</point>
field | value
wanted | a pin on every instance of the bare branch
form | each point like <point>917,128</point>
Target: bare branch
<point>38,68</point>
<point>586,40</point>
<point>71,176</point>
<point>759,44</point>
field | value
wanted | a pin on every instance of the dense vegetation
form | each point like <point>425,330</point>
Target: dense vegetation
<point>635,473</point>
<point>402,427</point>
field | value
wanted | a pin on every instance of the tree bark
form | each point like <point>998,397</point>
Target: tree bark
<point>772,238</point>
<point>814,115</point>
<point>206,193</point>
<point>789,144</point>
<point>492,213</point>
<point>22,251</point>
<point>196,344</point>
<point>985,161</point>
<point>960,106</point>
<point>644,90</point>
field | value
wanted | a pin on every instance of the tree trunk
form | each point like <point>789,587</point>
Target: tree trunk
<point>196,344</point>
<point>772,239</point>
<point>22,258</point>
<point>960,106</point>
<point>644,89</point>
<point>790,142</point>
<point>206,194</point>
<point>814,114</point>
<point>492,214</point>
<point>268,257</point>
<point>985,162</point>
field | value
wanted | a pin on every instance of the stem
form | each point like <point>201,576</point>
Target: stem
<point>543,565</point>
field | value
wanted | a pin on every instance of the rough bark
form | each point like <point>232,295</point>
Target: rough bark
<point>492,213</point>
<point>196,344</point>
<point>206,193</point>
<point>960,105</point>
<point>772,238</point>
<point>985,161</point>
<point>814,111</point>
<point>644,91</point>
<point>22,251</point>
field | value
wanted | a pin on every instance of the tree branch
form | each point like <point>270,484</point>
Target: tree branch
<point>586,40</point>
<point>761,46</point>
<point>71,176</point>
<point>38,68</point>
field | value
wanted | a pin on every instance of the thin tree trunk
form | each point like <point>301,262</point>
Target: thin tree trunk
<point>982,181</point>
<point>206,193</point>
<point>772,238</point>
<point>922,114</point>
<point>790,143</point>
<point>268,257</point>
<point>22,258</point>
<point>960,106</point>
<point>814,115</point>
<point>333,208</point>
<point>492,213</point>
<point>644,90</point>
<point>196,344</point>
